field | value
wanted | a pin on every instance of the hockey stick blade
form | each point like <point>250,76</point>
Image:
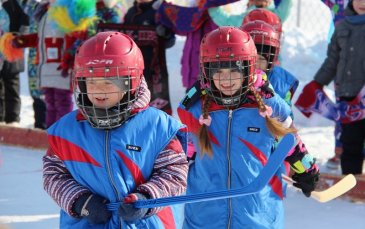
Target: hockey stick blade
<point>274,162</point>
<point>336,190</point>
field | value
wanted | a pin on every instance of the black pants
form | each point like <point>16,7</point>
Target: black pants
<point>9,96</point>
<point>352,139</point>
<point>39,107</point>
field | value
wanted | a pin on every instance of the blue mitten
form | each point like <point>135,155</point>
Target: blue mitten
<point>93,208</point>
<point>129,213</point>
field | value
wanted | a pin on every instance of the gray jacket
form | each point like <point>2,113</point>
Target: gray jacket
<point>345,62</point>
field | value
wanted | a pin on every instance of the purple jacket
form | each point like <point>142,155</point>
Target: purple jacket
<point>190,58</point>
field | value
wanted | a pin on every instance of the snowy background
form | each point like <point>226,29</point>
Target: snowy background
<point>24,204</point>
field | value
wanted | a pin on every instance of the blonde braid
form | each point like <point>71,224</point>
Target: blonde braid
<point>274,126</point>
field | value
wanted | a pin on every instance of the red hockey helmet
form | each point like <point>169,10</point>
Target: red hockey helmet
<point>109,56</point>
<point>227,47</point>
<point>261,14</point>
<point>266,39</point>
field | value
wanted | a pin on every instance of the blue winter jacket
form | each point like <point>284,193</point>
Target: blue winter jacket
<point>103,161</point>
<point>283,82</point>
<point>241,146</point>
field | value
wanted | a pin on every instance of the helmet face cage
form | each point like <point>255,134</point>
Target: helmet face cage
<point>212,76</point>
<point>270,53</point>
<point>267,41</point>
<point>115,115</point>
<point>227,61</point>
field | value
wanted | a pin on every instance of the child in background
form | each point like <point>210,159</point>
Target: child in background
<point>115,149</point>
<point>344,66</point>
<point>143,13</point>
<point>12,19</point>
<point>233,126</point>
<point>195,22</point>
<point>267,42</point>
<point>39,106</point>
<point>52,47</point>
<point>261,14</point>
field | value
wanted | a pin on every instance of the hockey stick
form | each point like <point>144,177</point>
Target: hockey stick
<point>336,190</point>
<point>274,162</point>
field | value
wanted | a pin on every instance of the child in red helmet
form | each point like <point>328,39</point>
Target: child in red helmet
<point>233,124</point>
<point>114,149</point>
<point>267,42</point>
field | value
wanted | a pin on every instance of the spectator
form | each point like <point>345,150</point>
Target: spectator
<point>12,19</point>
<point>344,66</point>
<point>195,22</point>
<point>39,105</point>
<point>143,13</point>
<point>55,54</point>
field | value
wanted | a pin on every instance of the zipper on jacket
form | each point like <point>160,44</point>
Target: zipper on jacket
<point>107,161</point>
<point>229,166</point>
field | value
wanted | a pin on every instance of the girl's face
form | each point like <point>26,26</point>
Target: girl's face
<point>261,63</point>
<point>262,3</point>
<point>103,93</point>
<point>359,6</point>
<point>228,81</point>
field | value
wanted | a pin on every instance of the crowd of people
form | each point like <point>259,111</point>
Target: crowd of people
<point>122,144</point>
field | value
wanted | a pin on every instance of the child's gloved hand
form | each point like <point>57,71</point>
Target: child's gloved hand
<point>306,174</point>
<point>129,213</point>
<point>93,208</point>
<point>306,181</point>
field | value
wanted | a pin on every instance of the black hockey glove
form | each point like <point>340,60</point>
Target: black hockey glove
<point>306,181</point>
<point>93,208</point>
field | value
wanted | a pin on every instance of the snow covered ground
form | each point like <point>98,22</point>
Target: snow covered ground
<point>24,204</point>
